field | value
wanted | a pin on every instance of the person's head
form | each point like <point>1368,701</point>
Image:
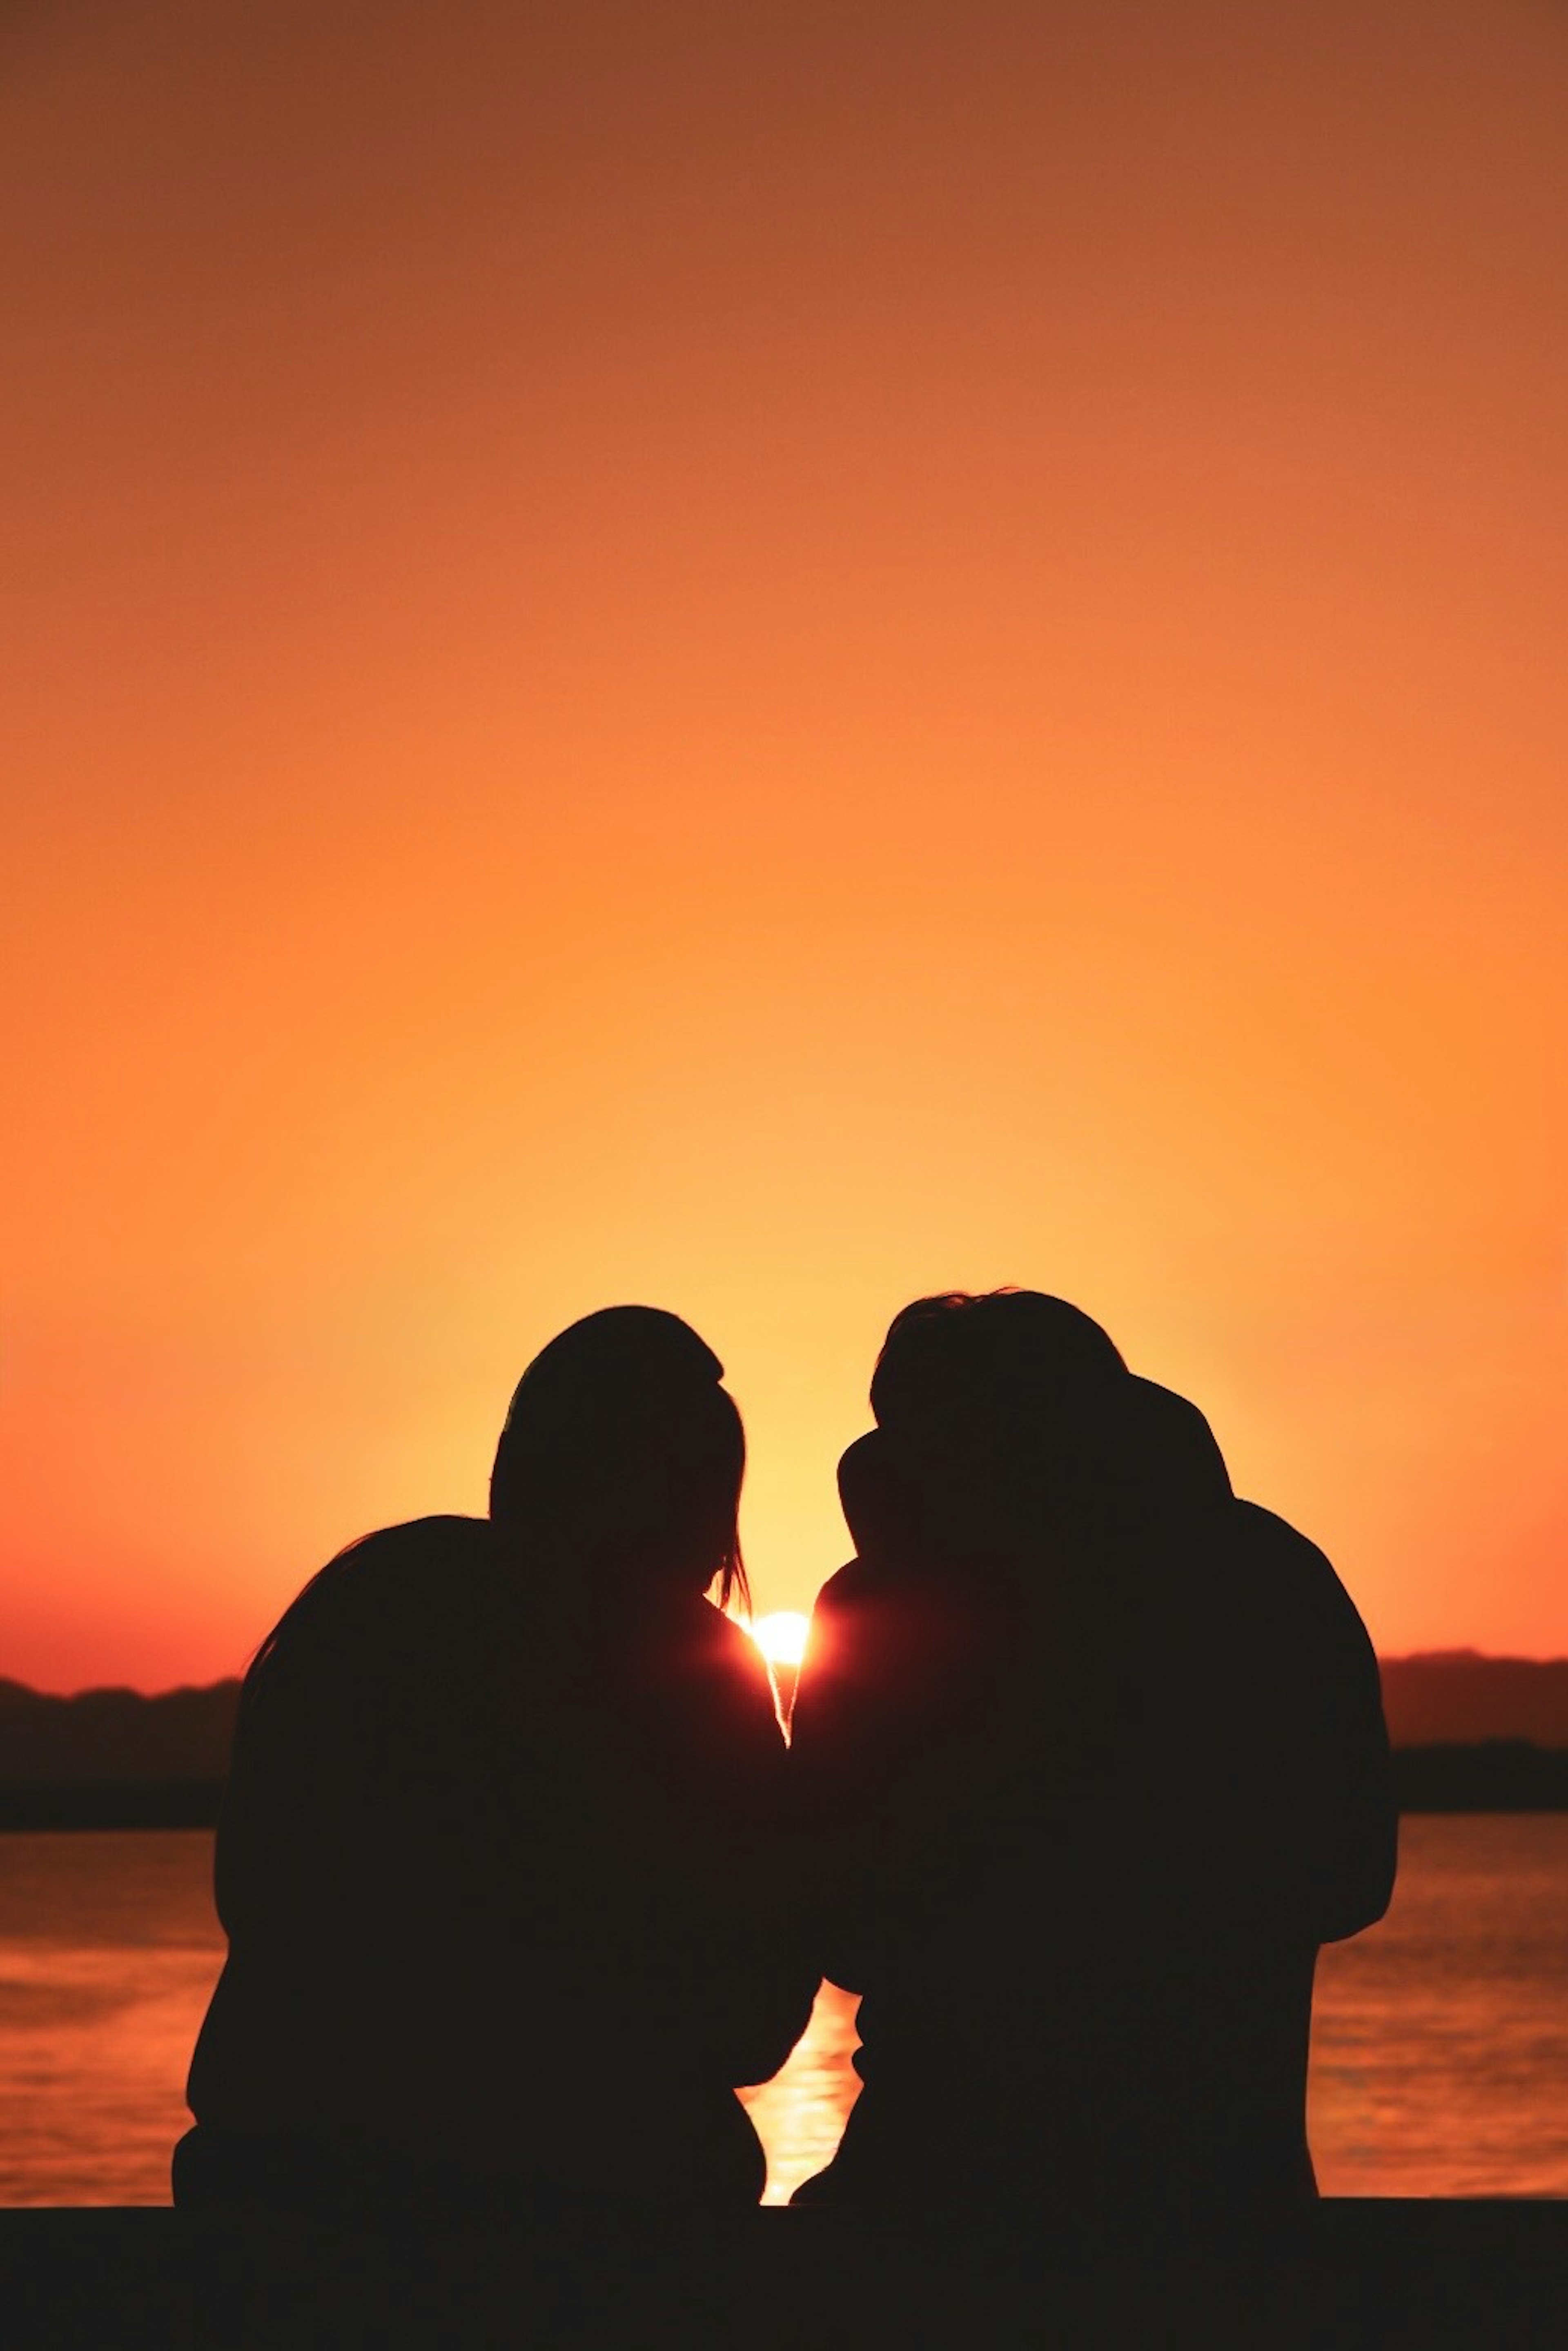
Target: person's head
<point>622,1456</point>
<point>1000,1411</point>
<point>997,1355</point>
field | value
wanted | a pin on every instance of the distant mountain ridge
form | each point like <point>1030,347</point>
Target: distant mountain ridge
<point>1458,1698</point>
<point>104,1735</point>
<point>1437,1697</point>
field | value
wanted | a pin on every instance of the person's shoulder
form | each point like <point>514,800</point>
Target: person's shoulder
<point>868,1622</point>
<point>1273,1545</point>
<point>712,1662</point>
<point>412,1549</point>
<point>726,1641</point>
<point>1266,1531</point>
<point>853,1587</point>
<point>374,1577</point>
<point>1298,1571</point>
<point>420,1537</point>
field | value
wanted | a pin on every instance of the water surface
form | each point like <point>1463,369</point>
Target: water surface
<point>1439,2044</point>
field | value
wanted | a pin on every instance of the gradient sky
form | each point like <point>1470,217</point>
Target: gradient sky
<point>766,658</point>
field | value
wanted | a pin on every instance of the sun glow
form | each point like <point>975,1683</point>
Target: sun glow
<point>781,1636</point>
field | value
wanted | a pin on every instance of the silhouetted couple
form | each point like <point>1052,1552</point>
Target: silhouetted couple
<point>521,1884</point>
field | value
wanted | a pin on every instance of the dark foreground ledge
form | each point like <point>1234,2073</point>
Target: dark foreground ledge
<point>1371,2271</point>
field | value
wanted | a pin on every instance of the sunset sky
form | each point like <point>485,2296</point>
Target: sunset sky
<point>766,656</point>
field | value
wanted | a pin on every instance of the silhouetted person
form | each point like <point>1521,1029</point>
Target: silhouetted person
<point>1091,1758</point>
<point>500,1860</point>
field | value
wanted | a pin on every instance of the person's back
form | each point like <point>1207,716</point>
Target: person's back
<point>499,1866</point>
<point>1092,1758</point>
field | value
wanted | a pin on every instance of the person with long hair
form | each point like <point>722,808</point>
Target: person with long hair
<point>1091,1758</point>
<point>500,1859</point>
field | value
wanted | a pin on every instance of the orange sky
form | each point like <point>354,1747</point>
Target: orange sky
<point>765,658</point>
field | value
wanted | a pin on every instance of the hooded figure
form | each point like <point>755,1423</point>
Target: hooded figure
<point>500,1861</point>
<point>1091,1757</point>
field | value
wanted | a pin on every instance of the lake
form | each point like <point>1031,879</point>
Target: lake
<point>1439,2041</point>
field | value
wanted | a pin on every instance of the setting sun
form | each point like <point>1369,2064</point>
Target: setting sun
<point>781,1636</point>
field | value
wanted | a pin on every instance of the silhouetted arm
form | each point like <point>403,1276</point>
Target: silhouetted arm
<point>849,1733</point>
<point>1330,1710</point>
<point>767,2004</point>
<point>726,1897</point>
